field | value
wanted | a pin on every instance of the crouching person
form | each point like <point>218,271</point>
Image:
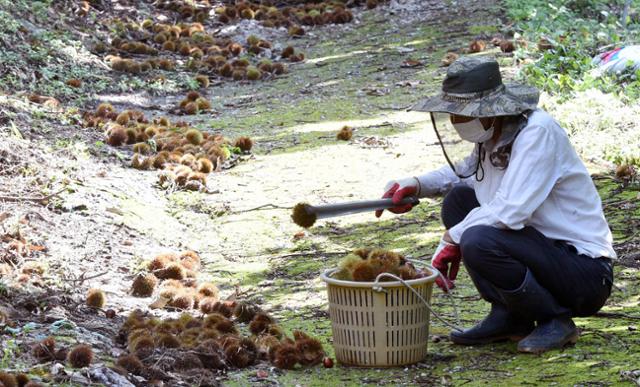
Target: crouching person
<point>521,212</point>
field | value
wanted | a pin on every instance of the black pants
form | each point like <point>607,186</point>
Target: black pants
<point>502,257</point>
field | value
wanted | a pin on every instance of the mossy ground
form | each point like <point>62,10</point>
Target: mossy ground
<point>607,348</point>
<point>353,76</point>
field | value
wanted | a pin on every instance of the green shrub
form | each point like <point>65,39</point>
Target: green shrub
<point>578,30</point>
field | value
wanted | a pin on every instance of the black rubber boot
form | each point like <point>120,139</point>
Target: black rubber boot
<point>555,328</point>
<point>553,334</point>
<point>499,325</point>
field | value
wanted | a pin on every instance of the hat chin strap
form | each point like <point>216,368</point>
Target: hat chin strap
<point>479,167</point>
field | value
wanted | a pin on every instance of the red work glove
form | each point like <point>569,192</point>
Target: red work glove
<point>447,254</point>
<point>398,190</point>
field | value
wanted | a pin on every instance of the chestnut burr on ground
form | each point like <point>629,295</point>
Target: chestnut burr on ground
<point>302,217</point>
<point>305,215</point>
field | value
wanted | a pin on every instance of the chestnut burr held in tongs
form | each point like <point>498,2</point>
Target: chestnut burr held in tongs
<point>305,215</point>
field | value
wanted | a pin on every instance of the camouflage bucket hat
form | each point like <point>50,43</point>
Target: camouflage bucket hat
<point>473,87</point>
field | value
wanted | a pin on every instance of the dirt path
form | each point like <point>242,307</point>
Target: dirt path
<point>116,216</point>
<point>297,156</point>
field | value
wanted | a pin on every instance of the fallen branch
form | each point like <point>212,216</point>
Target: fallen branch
<point>606,336</point>
<point>632,256</point>
<point>492,370</point>
<point>617,315</point>
<point>83,278</point>
<point>401,108</point>
<point>41,200</point>
<point>37,214</point>
<point>384,124</point>
<point>306,253</point>
<point>80,279</point>
<point>601,177</point>
<point>263,207</point>
<point>617,202</point>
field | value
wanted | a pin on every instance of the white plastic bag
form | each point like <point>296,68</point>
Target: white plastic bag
<point>616,61</point>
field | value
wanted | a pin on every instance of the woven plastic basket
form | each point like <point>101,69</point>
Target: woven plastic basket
<point>380,324</point>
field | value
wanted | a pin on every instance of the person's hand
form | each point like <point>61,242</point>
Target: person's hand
<point>447,260</point>
<point>398,190</point>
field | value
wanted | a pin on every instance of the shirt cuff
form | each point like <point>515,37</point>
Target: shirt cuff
<point>456,231</point>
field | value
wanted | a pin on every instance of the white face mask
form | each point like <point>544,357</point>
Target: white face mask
<point>474,131</point>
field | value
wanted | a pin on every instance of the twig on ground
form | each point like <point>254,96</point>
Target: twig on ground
<point>468,298</point>
<point>402,108</point>
<point>42,200</point>
<point>384,124</point>
<point>630,376</point>
<point>606,336</point>
<point>617,202</point>
<point>632,256</point>
<point>305,253</point>
<point>601,177</point>
<point>617,315</point>
<point>268,206</point>
<point>492,370</point>
<point>38,215</point>
<point>80,280</point>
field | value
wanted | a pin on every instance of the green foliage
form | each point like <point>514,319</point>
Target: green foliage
<point>623,154</point>
<point>625,84</point>
<point>27,47</point>
<point>191,84</point>
<point>9,354</point>
<point>578,30</point>
<point>231,149</point>
<point>483,29</point>
<point>8,24</point>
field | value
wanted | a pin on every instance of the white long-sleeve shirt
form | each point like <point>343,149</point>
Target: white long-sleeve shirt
<point>545,186</point>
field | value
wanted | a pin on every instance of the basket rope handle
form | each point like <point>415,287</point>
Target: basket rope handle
<point>377,288</point>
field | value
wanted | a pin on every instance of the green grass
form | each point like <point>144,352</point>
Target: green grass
<point>578,29</point>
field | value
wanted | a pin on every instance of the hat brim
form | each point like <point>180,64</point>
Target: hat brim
<point>513,100</point>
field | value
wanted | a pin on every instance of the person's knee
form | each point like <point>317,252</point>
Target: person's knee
<point>475,243</point>
<point>458,194</point>
<point>453,205</point>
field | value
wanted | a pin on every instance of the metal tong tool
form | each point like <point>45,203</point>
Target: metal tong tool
<point>348,208</point>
